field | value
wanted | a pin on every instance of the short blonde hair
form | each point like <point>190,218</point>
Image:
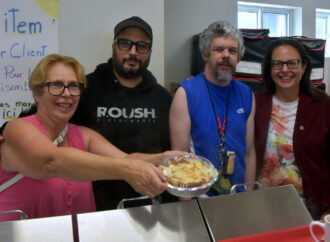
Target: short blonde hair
<point>39,74</point>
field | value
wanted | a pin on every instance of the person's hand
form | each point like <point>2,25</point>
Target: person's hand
<point>145,178</point>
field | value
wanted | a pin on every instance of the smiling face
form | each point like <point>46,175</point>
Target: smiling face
<point>222,58</point>
<point>286,79</point>
<point>58,108</point>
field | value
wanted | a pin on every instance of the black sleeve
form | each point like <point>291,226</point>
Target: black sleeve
<point>82,116</point>
<point>27,112</point>
<point>79,117</point>
<point>2,128</point>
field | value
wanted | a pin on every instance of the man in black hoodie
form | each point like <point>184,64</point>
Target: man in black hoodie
<point>124,103</point>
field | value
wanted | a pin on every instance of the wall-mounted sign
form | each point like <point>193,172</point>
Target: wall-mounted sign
<point>29,31</point>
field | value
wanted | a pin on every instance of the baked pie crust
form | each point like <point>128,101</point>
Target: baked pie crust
<point>187,173</point>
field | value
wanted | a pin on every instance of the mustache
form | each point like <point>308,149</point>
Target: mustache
<point>226,62</point>
<point>132,58</point>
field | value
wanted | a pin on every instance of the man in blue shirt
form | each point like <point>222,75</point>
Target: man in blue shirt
<point>212,114</point>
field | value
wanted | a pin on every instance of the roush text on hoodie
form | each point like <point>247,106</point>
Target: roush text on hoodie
<point>121,114</point>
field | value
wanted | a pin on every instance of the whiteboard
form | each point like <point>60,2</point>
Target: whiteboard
<point>29,31</point>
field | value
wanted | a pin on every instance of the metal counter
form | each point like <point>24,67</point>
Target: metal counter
<point>180,221</point>
<point>52,229</point>
<point>254,212</point>
<point>203,220</point>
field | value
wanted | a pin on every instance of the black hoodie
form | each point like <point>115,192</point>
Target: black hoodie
<point>133,119</point>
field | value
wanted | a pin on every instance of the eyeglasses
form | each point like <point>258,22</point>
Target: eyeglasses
<point>57,88</point>
<point>291,64</point>
<point>141,47</point>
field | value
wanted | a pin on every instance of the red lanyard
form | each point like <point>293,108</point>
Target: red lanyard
<point>221,126</point>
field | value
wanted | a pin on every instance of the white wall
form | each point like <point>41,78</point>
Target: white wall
<point>184,18</point>
<point>86,29</point>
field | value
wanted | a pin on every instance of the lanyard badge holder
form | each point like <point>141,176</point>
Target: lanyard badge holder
<point>227,161</point>
<point>226,158</point>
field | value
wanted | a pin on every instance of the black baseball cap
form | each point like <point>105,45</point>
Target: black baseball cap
<point>136,22</point>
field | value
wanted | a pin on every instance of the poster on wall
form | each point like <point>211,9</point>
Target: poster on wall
<point>29,31</point>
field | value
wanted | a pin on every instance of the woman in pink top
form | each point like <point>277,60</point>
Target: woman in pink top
<point>57,159</point>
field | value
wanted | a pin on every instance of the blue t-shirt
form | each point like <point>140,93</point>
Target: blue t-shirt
<point>204,131</point>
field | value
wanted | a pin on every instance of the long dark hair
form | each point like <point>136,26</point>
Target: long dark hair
<point>306,85</point>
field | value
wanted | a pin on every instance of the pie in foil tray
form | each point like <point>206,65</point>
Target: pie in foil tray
<point>188,175</point>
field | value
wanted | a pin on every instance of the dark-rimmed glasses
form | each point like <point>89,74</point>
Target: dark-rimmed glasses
<point>57,88</point>
<point>141,47</point>
<point>291,64</point>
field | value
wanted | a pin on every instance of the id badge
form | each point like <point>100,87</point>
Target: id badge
<point>228,162</point>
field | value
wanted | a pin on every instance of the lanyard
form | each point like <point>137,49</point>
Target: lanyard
<point>221,126</point>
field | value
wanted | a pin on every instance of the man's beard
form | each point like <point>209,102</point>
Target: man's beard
<point>225,76</point>
<point>128,73</point>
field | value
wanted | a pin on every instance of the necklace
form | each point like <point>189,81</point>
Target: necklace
<point>59,139</point>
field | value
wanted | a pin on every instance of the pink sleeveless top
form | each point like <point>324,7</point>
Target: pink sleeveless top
<point>48,197</point>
